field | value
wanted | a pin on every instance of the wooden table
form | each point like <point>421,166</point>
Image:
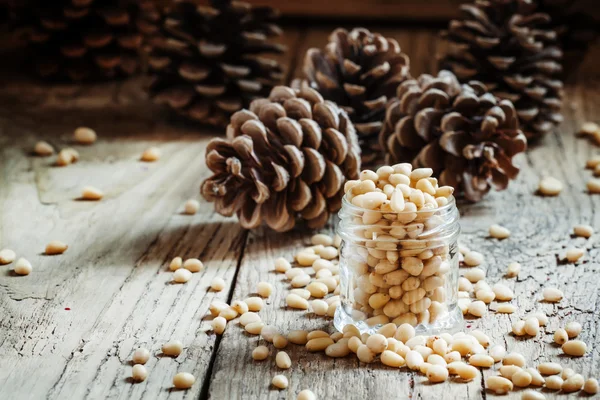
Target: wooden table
<point>68,330</point>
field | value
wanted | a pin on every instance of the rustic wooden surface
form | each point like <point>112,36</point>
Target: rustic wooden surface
<point>68,330</point>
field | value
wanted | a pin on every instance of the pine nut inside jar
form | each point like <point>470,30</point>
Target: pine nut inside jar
<point>399,252</point>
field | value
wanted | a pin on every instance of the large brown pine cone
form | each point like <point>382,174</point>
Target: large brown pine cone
<point>464,133</point>
<point>359,70</point>
<point>83,39</point>
<point>285,158</point>
<point>208,61</point>
<point>513,50</point>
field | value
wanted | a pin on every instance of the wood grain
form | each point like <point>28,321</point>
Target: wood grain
<point>68,330</point>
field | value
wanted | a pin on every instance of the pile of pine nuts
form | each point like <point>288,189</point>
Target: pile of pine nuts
<point>139,372</point>
<point>399,270</point>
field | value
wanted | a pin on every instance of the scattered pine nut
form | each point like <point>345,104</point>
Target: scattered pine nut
<point>573,329</point>
<point>573,254</point>
<point>282,265</point>
<point>498,384</point>
<point>67,156</point>
<point>140,356</point>
<point>506,308</point>
<point>306,395</point>
<point>552,295</point>
<point>7,256</point>
<point>575,348</point>
<point>193,265</point>
<point>43,149</point>
<point>294,301</point>
<point>172,348</point>
<point>90,193</point>
<point>589,128</point>
<point>191,207</point>
<point>283,360</point>
<point>573,383</point>
<point>499,232</point>
<point>139,373</point>
<point>321,239</point>
<point>280,382</point>
<point>591,386</point>
<point>176,263</point>
<point>521,378</point>
<point>151,154</point>
<point>437,373</point>
<point>593,186</point>
<point>554,382</point>
<point>279,341</point>
<point>240,306</point>
<point>184,380</point>
<point>260,353</point>
<point>254,303</point>
<point>550,368</point>
<point>85,135</point>
<point>530,394</point>
<point>22,267</point>
<point>513,270</point>
<point>182,275</point>
<point>264,289</point>
<point>550,186</point>
<point>585,231</point>
<point>248,317</point>
<point>473,258</point>
<point>55,247</point>
<point>561,336</point>
<point>217,284</point>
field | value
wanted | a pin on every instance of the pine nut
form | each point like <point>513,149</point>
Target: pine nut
<point>575,348</point>
<point>514,359</point>
<point>532,326</point>
<point>404,333</point>
<point>365,354</point>
<point>260,353</point>
<point>328,253</point>
<point>264,289</point>
<point>43,149</point>
<point>508,371</point>
<point>554,382</point>
<point>585,231</point>
<point>503,292</point>
<point>550,186</point>
<point>474,275</point>
<point>487,296</point>
<point>67,156</point>
<point>139,373</point>
<point>541,317</point>
<point>83,135</point>
<point>573,384</point>
<point>182,276</point>
<point>591,386</point>
<point>550,368</point>
<point>573,329</point>
<point>473,259</point>
<point>184,380</point>
<point>306,395</point>
<point>414,360</point>
<point>301,280</point>
<point>497,352</point>
<point>22,267</point>
<point>498,384</point>
<point>477,309</point>
<point>173,348</point>
<point>513,269</point>
<point>567,373</point>
<point>437,373</point>
<point>377,343</point>
<point>317,289</point>
<point>505,308</point>
<point>466,372</point>
<point>318,344</point>
<point>218,325</point>
<point>217,284</point>
<point>283,360</point>
<point>339,349</point>
<point>573,255</point>
<point>193,265</point>
<point>561,336</point>
<point>151,154</point>
<point>228,313</point>
<point>268,333</point>
<point>176,263</point>
<point>240,306</point>
<point>593,186</point>
<point>295,301</point>
<point>90,193</point>
<point>552,295</point>
<point>521,378</point>
<point>306,258</point>
<point>481,360</point>
<point>282,265</point>
<point>254,328</point>
<point>298,337</point>
<point>530,394</point>
<point>191,207</point>
<point>305,294</point>
<point>279,341</point>
<point>499,232</point>
<point>536,378</point>
<point>280,382</point>
<point>216,307</point>
<point>254,303</point>
<point>140,356</point>
<point>589,128</point>
<point>7,256</point>
<point>518,328</point>
<point>248,318</point>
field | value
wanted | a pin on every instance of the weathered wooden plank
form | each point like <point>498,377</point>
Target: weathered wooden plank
<point>74,322</point>
<point>540,228</point>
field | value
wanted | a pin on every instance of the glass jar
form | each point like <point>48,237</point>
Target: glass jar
<point>399,267</point>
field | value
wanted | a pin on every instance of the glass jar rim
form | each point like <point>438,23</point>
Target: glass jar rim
<point>346,204</point>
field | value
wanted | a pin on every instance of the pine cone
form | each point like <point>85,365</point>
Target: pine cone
<point>360,71</point>
<point>513,51</point>
<point>83,39</point>
<point>208,62</point>
<point>286,157</point>
<point>464,133</point>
